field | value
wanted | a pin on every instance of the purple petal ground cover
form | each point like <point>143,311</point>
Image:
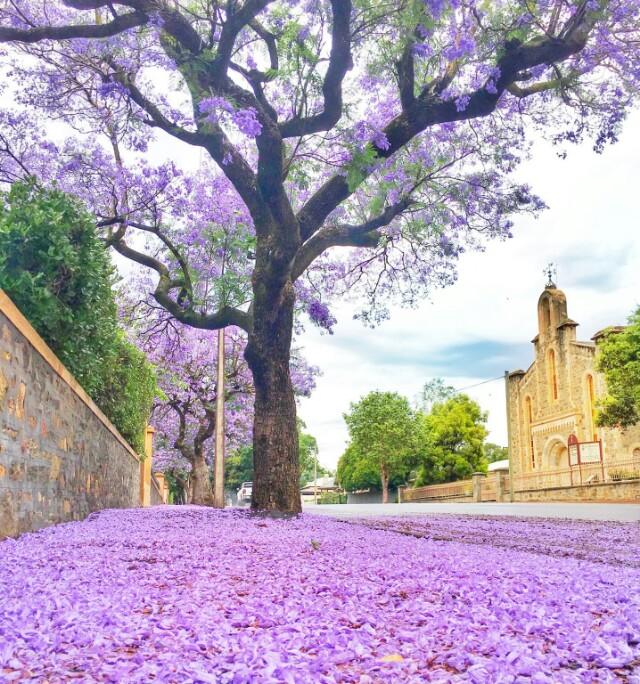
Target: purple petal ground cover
<point>606,542</point>
<point>186,594</point>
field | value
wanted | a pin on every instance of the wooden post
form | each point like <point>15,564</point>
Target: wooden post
<point>218,474</point>
<point>315,480</point>
<point>145,467</point>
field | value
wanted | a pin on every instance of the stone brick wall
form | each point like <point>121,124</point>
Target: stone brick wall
<point>60,458</point>
<point>626,491</point>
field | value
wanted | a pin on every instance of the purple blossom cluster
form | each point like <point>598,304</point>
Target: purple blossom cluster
<point>463,192</point>
<point>188,594</point>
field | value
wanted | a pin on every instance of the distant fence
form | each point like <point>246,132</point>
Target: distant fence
<point>610,481</point>
<point>613,481</point>
<point>450,491</point>
<point>60,457</point>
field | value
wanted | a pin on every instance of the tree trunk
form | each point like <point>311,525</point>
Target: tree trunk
<point>276,469</point>
<point>384,478</point>
<point>201,491</point>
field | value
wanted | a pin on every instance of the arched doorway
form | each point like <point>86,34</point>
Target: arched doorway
<point>556,458</point>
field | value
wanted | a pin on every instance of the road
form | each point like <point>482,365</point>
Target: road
<point>576,511</point>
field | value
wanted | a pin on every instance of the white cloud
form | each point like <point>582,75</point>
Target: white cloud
<point>590,231</point>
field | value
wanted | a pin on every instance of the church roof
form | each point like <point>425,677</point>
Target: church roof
<point>608,331</point>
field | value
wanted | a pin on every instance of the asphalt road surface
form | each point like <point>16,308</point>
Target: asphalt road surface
<point>576,511</point>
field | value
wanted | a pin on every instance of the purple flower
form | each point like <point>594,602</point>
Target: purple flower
<point>247,121</point>
<point>462,103</point>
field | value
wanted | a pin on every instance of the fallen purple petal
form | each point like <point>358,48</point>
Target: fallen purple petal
<point>188,594</point>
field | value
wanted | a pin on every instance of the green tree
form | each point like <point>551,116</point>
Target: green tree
<point>495,452</point>
<point>451,440</point>
<point>382,429</point>
<point>435,391</point>
<point>356,471</point>
<point>619,360</point>
<point>56,270</point>
<point>128,390</point>
<point>310,466</point>
<point>239,465</point>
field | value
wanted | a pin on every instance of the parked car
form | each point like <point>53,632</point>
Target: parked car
<point>244,493</point>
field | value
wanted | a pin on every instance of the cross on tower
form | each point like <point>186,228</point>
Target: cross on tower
<point>551,272</point>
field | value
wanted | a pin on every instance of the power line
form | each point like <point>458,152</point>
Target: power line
<point>484,382</point>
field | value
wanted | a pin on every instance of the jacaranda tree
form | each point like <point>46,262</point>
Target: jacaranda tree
<point>390,128</point>
<point>184,414</point>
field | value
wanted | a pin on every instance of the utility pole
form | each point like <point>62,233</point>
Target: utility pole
<point>218,475</point>
<point>315,480</point>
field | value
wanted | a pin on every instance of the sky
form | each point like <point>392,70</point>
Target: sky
<point>483,325</point>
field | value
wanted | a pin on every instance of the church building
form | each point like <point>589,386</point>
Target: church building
<point>551,407</point>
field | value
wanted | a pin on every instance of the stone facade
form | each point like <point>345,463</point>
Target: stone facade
<point>555,399</point>
<point>60,458</point>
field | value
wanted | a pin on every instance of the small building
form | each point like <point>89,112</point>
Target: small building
<point>551,406</point>
<point>320,486</point>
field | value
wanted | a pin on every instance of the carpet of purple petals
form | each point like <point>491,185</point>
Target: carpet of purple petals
<point>185,594</point>
<point>606,542</point>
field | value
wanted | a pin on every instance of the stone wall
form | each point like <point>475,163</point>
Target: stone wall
<point>60,458</point>
<point>624,491</point>
<point>495,486</point>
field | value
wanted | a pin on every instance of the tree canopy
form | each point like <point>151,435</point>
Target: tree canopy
<point>451,438</point>
<point>435,391</point>
<point>391,129</point>
<point>495,452</point>
<point>382,432</point>
<point>619,359</point>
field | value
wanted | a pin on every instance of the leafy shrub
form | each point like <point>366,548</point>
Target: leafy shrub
<point>332,498</point>
<point>56,270</point>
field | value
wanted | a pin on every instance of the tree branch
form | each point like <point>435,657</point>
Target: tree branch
<point>406,77</point>
<point>345,235</point>
<point>112,28</point>
<point>215,141</point>
<point>225,316</point>
<point>236,21</point>
<point>429,110</point>
<point>173,22</point>
<point>339,63</point>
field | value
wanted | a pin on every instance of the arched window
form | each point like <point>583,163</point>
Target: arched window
<point>553,377</point>
<point>591,409</point>
<point>546,314</point>
<point>528,410</point>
